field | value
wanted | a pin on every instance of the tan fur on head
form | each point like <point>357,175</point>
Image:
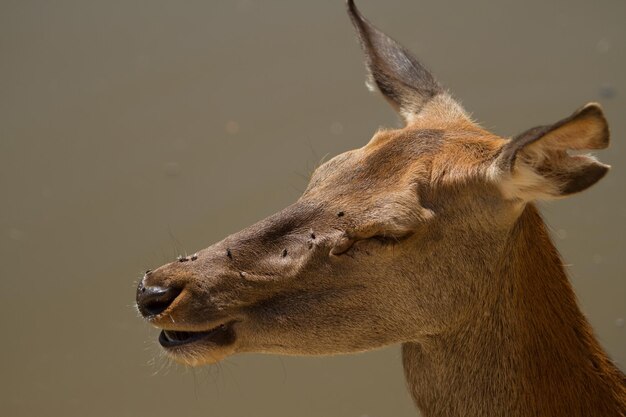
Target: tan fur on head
<point>426,236</point>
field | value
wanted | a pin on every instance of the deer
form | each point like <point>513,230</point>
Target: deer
<point>428,236</point>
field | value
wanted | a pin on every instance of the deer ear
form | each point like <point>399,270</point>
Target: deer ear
<point>399,76</point>
<point>537,165</point>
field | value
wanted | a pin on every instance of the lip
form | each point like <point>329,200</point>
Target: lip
<point>222,335</point>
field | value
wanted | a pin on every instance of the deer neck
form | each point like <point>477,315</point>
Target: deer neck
<point>527,350</point>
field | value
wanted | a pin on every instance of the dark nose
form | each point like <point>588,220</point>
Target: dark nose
<point>153,300</point>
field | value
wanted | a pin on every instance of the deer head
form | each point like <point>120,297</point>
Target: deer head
<point>389,243</point>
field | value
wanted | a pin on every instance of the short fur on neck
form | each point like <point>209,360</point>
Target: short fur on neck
<point>529,352</point>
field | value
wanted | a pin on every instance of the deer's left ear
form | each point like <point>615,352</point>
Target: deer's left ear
<point>406,84</point>
<point>537,165</point>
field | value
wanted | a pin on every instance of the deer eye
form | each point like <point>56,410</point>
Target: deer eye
<point>385,239</point>
<point>347,242</point>
<point>390,239</point>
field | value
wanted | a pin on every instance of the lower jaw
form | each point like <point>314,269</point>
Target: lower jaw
<point>199,355</point>
<point>202,348</point>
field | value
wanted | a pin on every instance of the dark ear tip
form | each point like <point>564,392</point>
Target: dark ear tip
<point>585,178</point>
<point>594,110</point>
<point>591,109</point>
<point>353,12</point>
<point>355,15</point>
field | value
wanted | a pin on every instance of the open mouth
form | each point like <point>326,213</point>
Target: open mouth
<point>221,335</point>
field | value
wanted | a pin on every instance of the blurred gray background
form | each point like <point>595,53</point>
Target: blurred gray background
<point>132,131</point>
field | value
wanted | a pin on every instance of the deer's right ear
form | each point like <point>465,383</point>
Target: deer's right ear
<point>537,165</point>
<point>399,76</point>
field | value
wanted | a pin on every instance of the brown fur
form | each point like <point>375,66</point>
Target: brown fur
<point>427,236</point>
<point>526,350</point>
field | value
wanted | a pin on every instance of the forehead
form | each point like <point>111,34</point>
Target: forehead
<point>395,160</point>
<point>392,158</point>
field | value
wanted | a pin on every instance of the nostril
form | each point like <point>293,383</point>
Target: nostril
<point>154,300</point>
